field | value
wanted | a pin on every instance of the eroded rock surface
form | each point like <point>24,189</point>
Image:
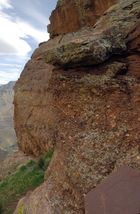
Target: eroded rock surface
<point>88,111</point>
<point>71,15</point>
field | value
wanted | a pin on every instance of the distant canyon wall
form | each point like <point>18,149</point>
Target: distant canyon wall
<point>7,133</point>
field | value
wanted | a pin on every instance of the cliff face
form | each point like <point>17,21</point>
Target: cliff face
<point>71,15</point>
<point>79,94</point>
<point>7,134</point>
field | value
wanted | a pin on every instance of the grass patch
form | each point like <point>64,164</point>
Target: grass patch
<point>26,178</point>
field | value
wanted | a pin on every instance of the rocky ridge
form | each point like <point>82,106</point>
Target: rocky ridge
<point>79,94</point>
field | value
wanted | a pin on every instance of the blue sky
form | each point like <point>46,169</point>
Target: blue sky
<point>23,25</point>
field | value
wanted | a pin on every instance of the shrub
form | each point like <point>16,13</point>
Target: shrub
<point>1,208</point>
<point>27,177</point>
<point>44,161</point>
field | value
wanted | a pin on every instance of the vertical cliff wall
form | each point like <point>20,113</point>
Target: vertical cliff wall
<point>79,94</point>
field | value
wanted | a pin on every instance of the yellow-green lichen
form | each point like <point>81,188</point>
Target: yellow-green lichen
<point>21,209</point>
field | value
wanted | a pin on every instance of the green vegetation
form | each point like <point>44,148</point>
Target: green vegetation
<point>59,3</point>
<point>26,178</point>
<point>44,161</point>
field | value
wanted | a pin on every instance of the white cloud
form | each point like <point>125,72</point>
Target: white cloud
<point>17,37</point>
<point>15,33</point>
<point>9,65</point>
<point>29,30</point>
<point>5,4</point>
<point>12,37</point>
<point>6,76</point>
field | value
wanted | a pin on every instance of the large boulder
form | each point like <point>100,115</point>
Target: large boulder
<point>85,106</point>
<point>91,46</point>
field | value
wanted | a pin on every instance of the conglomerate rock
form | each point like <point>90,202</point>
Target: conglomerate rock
<point>89,113</point>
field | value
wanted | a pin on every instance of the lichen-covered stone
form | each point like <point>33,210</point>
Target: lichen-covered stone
<point>95,45</point>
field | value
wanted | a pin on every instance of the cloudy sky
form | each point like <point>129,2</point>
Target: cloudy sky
<point>23,25</point>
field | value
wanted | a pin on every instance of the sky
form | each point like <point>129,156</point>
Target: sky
<point>23,25</point>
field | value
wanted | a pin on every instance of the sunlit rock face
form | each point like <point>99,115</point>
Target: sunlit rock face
<point>7,134</point>
<point>79,95</point>
<point>71,15</point>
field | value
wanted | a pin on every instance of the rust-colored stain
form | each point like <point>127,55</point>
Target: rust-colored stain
<point>118,194</point>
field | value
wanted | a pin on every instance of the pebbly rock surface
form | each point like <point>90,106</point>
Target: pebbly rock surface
<point>84,103</point>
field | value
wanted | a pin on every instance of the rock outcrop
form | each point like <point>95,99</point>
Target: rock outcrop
<point>79,94</point>
<point>71,15</point>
